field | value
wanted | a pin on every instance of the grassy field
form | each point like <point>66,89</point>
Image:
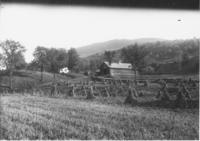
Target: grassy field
<point>34,117</point>
<point>169,76</point>
<point>31,79</point>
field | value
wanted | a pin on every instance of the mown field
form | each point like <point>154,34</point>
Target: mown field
<point>34,117</point>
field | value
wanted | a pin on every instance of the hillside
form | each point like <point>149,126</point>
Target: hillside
<point>164,56</point>
<point>30,79</point>
<point>111,45</point>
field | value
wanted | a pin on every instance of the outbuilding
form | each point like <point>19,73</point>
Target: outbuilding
<point>64,70</point>
<point>117,70</point>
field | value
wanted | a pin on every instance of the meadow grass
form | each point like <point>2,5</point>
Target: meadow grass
<point>34,117</point>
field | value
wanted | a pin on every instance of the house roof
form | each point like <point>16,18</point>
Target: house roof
<point>119,65</point>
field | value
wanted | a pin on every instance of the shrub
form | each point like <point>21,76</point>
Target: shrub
<point>129,99</point>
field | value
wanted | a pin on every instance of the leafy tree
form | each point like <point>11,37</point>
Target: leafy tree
<point>73,58</point>
<point>56,59</point>
<point>109,55</point>
<point>82,65</point>
<point>95,63</point>
<point>33,65</point>
<point>135,55</point>
<point>51,60</point>
<point>12,52</point>
<point>1,60</point>
<point>185,59</point>
<point>40,58</point>
<point>20,62</point>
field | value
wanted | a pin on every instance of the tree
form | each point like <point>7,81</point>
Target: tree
<point>40,58</point>
<point>56,59</point>
<point>12,51</point>
<point>1,60</point>
<point>20,61</point>
<point>95,62</point>
<point>73,58</point>
<point>134,54</point>
<point>109,55</point>
<point>33,65</point>
<point>93,65</point>
<point>82,65</point>
<point>184,59</point>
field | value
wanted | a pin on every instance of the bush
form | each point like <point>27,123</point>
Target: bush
<point>180,101</point>
<point>129,99</point>
<point>90,94</point>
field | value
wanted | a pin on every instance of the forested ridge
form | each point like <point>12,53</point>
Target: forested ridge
<point>177,56</point>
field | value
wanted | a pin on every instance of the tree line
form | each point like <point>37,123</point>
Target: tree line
<point>45,59</point>
<point>140,56</point>
<point>178,56</point>
<point>52,59</point>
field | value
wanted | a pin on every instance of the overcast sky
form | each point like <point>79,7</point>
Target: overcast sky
<point>67,26</point>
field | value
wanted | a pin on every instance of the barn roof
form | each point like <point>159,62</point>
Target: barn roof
<point>119,65</point>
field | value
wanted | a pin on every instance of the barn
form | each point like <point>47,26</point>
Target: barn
<point>117,70</point>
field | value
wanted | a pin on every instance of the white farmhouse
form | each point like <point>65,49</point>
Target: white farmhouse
<point>2,68</point>
<point>64,70</point>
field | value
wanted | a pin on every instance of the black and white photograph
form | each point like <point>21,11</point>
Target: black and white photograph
<point>99,70</point>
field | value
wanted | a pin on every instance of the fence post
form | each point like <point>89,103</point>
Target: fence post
<point>90,94</point>
<point>107,93</point>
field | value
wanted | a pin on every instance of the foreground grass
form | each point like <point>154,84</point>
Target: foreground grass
<point>31,117</point>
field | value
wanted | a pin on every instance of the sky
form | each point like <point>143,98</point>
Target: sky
<point>76,26</point>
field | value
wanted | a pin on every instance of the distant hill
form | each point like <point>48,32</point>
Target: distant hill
<point>164,56</point>
<point>112,45</point>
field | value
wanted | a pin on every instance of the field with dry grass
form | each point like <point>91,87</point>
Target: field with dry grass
<point>34,117</point>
